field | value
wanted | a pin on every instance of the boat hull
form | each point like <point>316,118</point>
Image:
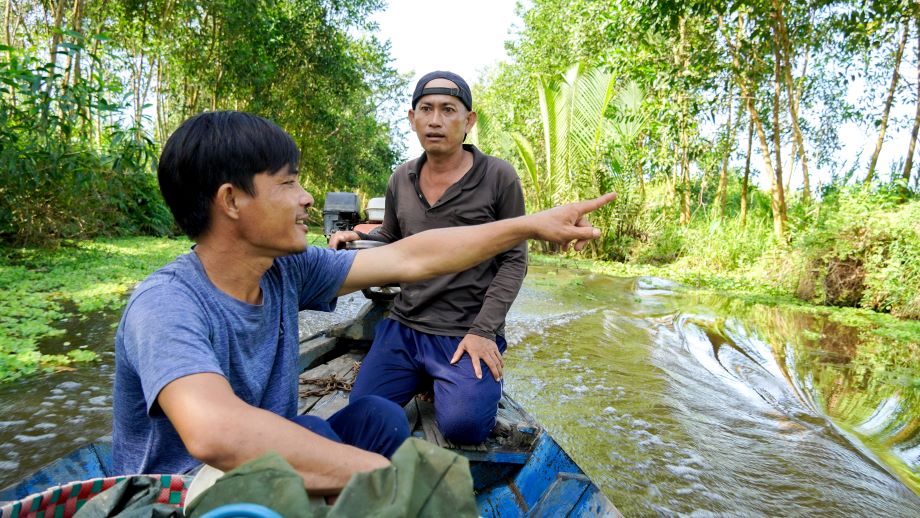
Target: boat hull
<point>549,484</point>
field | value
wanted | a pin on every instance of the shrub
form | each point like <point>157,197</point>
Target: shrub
<point>863,249</point>
<point>62,175</point>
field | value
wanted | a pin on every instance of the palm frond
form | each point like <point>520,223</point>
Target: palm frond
<point>525,151</point>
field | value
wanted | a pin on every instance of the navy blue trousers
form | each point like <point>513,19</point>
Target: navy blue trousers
<point>370,423</point>
<point>403,362</point>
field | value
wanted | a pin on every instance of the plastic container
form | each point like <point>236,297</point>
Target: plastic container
<point>375,209</point>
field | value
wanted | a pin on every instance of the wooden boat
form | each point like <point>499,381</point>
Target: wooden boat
<point>519,471</point>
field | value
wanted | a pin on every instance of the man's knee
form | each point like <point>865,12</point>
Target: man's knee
<point>388,413</point>
<point>463,428</point>
<point>317,425</point>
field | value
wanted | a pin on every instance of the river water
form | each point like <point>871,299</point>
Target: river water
<point>674,402</point>
<point>678,403</point>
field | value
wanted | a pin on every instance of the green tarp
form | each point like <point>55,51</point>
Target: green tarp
<point>423,480</point>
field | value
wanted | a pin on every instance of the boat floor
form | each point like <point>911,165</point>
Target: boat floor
<point>518,471</point>
<point>324,391</point>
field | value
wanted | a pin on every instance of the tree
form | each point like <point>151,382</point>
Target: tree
<point>909,159</point>
<point>109,81</point>
<point>883,123</point>
<point>574,126</point>
<point>579,130</point>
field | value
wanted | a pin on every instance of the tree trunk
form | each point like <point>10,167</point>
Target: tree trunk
<point>73,58</point>
<point>138,70</point>
<point>704,182</point>
<point>217,65</point>
<point>8,22</point>
<point>790,168</point>
<point>721,193</point>
<point>681,59</point>
<point>640,144</point>
<point>784,52</point>
<point>747,174</point>
<point>56,30</point>
<point>8,25</point>
<point>778,199</point>
<point>888,101</point>
<point>746,92</point>
<point>685,181</point>
<point>909,160</point>
<point>96,129</point>
<point>673,180</point>
<point>78,24</point>
<point>53,52</point>
<point>160,131</point>
<point>159,94</point>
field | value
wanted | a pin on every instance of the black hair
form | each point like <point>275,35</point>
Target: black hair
<point>214,148</point>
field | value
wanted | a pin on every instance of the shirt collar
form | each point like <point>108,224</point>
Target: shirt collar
<point>469,180</point>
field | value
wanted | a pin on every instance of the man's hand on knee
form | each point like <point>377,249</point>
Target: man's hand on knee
<point>483,349</point>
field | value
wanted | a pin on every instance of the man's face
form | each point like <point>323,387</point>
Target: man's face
<point>274,221</point>
<point>441,121</point>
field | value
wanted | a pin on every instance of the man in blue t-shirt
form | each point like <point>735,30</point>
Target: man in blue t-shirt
<point>206,351</point>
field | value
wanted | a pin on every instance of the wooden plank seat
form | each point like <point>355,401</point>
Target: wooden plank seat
<point>324,390</point>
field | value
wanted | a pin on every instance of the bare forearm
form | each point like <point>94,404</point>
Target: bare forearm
<point>325,465</point>
<point>441,251</point>
<point>221,430</point>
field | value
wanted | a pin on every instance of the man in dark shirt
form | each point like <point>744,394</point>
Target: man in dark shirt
<point>441,329</point>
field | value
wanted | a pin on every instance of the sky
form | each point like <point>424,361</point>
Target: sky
<point>468,37</point>
<point>464,37</point>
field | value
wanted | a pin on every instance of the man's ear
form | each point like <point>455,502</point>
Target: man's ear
<point>226,201</point>
<point>471,119</point>
<point>412,119</point>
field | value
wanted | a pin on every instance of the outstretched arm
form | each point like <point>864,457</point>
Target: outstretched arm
<point>447,250</point>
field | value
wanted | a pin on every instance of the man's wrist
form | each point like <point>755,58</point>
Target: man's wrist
<point>481,333</point>
<point>372,236</point>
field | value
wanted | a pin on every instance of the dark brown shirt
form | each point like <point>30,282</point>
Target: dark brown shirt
<point>476,300</point>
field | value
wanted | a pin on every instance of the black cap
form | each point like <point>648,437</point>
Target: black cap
<point>462,91</point>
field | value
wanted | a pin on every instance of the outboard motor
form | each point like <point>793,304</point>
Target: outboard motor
<point>340,212</point>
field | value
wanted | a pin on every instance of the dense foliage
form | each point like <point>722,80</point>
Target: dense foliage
<point>90,90</point>
<point>681,106</point>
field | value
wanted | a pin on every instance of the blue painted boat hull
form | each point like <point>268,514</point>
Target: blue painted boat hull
<point>549,484</point>
<point>91,461</point>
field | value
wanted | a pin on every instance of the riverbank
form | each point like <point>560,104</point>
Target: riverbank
<point>40,287</point>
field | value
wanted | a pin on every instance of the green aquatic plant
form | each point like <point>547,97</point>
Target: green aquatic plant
<point>41,287</point>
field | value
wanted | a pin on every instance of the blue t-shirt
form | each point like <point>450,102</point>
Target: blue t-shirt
<point>178,323</point>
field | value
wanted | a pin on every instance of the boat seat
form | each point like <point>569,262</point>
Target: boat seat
<point>324,391</point>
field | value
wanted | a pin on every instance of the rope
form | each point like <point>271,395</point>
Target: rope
<point>331,383</point>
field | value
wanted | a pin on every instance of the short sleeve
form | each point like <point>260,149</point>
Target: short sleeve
<point>320,273</point>
<point>166,337</point>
